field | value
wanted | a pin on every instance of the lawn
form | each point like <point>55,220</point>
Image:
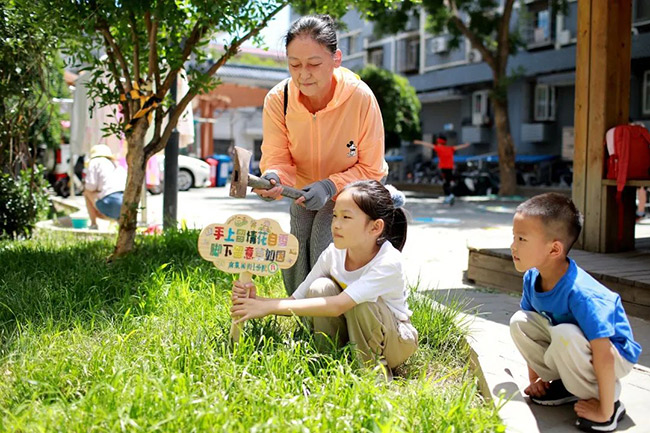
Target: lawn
<point>141,344</point>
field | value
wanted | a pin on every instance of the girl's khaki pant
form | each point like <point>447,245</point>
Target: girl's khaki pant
<point>378,336</point>
<point>561,352</point>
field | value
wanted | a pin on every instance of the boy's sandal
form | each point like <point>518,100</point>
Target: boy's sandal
<point>609,425</point>
<point>556,395</point>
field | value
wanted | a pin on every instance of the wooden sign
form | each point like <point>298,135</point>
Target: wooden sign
<point>245,246</point>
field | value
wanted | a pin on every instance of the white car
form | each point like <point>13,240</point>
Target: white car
<point>192,172</point>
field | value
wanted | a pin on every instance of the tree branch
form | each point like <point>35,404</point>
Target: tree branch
<point>503,37</point>
<point>157,145</point>
<point>234,47</point>
<point>195,36</point>
<point>160,115</point>
<point>152,29</point>
<point>110,42</point>
<point>488,56</point>
<point>118,83</point>
<point>136,48</point>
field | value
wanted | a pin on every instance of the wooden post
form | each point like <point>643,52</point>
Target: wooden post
<point>207,146</point>
<point>602,101</point>
<point>236,329</point>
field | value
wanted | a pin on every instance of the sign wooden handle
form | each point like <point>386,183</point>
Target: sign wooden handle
<point>236,329</point>
<point>287,191</point>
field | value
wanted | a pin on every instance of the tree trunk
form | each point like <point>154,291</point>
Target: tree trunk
<point>507,173</point>
<point>136,171</point>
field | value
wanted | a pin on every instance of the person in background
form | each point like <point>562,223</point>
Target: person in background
<point>322,130</point>
<point>445,163</point>
<point>103,185</point>
<point>357,290</point>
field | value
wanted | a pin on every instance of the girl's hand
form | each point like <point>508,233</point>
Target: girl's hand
<point>246,308</point>
<point>243,290</point>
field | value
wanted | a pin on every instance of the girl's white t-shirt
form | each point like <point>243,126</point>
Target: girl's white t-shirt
<point>382,277</point>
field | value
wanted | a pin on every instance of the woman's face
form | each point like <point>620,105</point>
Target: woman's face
<point>311,66</point>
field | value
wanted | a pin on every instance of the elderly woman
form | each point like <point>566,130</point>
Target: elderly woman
<point>322,130</point>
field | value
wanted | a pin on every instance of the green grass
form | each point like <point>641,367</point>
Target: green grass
<point>141,344</point>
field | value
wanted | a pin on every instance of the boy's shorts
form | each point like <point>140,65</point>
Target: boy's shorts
<point>111,205</point>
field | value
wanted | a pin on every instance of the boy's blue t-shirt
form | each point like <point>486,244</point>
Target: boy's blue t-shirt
<point>579,299</point>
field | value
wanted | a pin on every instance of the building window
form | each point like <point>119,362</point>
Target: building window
<point>537,22</point>
<point>641,11</point>
<point>544,102</point>
<point>646,94</point>
<point>348,44</point>
<point>222,146</point>
<point>410,55</point>
<point>376,57</point>
<point>480,108</point>
<point>543,28</point>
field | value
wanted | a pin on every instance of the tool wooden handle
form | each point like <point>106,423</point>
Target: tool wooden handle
<point>287,191</point>
<point>236,329</point>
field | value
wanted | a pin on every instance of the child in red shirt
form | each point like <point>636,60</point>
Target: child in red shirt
<point>445,162</point>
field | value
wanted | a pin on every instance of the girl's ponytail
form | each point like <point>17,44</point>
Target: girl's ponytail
<point>396,233</point>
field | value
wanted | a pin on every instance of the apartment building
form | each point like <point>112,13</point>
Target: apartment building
<point>453,84</point>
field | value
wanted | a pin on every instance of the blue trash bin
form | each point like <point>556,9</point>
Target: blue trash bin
<point>223,169</point>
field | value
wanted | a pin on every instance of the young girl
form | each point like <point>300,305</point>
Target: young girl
<point>356,292</point>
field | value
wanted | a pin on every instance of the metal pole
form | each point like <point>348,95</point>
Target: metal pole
<point>170,193</point>
<point>143,203</point>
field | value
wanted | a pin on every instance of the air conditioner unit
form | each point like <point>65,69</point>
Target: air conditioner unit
<point>439,45</point>
<point>564,37</point>
<point>479,119</point>
<point>474,56</point>
<point>539,34</point>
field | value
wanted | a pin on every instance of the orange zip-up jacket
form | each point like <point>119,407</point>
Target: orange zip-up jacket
<point>343,142</point>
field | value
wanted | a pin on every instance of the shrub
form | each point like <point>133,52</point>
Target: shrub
<point>399,104</point>
<point>23,201</point>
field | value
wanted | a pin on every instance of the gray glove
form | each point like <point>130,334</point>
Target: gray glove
<point>318,193</point>
<point>270,176</point>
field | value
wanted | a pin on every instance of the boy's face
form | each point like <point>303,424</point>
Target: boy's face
<point>531,246</point>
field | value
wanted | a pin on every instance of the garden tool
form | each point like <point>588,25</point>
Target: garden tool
<point>241,178</point>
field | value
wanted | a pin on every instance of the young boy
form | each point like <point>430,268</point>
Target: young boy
<point>571,330</point>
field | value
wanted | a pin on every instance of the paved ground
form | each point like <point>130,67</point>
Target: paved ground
<point>436,258</point>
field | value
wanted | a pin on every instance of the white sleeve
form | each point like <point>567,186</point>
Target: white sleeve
<point>320,269</point>
<point>384,278</point>
<point>91,181</point>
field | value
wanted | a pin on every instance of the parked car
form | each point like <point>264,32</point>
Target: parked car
<point>192,172</point>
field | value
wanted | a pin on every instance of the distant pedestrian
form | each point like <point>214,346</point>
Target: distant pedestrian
<point>356,291</point>
<point>103,185</point>
<point>445,163</point>
<point>571,330</point>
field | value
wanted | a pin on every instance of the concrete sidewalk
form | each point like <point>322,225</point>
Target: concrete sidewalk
<point>503,374</point>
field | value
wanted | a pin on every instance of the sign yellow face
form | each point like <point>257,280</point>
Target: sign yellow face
<point>243,244</point>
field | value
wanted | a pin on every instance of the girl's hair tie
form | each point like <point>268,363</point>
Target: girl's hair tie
<point>398,196</point>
